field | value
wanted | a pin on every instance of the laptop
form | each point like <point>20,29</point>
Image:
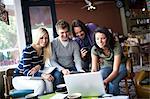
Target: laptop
<point>88,84</point>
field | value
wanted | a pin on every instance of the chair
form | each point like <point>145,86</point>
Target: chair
<point>9,90</point>
<point>142,87</point>
<point>129,79</point>
<point>144,54</point>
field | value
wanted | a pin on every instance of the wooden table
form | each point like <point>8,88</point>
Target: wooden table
<point>48,96</point>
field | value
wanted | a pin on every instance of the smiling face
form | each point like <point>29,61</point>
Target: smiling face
<point>79,32</point>
<point>63,34</point>
<point>43,41</point>
<point>100,39</point>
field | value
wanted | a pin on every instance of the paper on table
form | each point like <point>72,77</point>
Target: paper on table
<point>59,96</point>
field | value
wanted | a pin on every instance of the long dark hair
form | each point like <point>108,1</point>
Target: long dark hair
<point>110,39</point>
<point>78,23</point>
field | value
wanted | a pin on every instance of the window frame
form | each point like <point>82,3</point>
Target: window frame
<point>25,4</point>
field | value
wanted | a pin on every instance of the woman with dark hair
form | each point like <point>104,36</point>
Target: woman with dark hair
<point>83,34</point>
<point>113,67</point>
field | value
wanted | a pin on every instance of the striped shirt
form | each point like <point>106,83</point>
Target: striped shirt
<point>29,59</point>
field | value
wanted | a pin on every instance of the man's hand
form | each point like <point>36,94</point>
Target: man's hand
<point>65,71</point>
<point>93,70</point>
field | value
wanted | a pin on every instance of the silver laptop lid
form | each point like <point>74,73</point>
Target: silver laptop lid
<point>88,84</point>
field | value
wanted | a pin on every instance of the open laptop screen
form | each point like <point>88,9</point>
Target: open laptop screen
<point>88,84</point>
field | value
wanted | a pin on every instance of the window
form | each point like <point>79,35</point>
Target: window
<point>15,36</point>
<point>37,20</point>
<point>37,13</point>
<point>9,50</point>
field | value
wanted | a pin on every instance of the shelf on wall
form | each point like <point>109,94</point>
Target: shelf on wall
<point>137,25</point>
<point>140,32</point>
<point>139,17</point>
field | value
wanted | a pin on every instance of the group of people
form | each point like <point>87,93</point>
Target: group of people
<point>92,48</point>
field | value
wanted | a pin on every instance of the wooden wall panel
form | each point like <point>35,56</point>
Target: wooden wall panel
<point>105,15</point>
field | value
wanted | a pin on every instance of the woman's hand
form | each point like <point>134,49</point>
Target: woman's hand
<point>101,61</point>
<point>83,52</point>
<point>37,67</point>
<point>105,82</point>
<point>48,77</point>
<point>95,61</point>
<point>34,69</point>
<point>65,71</point>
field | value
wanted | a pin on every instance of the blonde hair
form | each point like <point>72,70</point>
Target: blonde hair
<point>47,49</point>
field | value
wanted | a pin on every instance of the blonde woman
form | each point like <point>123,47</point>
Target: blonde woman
<point>32,63</point>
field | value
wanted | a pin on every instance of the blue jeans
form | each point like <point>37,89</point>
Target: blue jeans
<point>113,86</point>
<point>58,76</point>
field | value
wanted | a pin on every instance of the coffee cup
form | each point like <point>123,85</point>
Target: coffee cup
<point>74,96</point>
<point>61,88</point>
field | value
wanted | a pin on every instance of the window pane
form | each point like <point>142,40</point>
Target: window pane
<point>41,16</point>
<point>9,53</point>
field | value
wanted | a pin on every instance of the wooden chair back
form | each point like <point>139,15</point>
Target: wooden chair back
<point>129,77</point>
<point>8,81</point>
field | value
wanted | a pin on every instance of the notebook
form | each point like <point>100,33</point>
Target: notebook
<point>88,84</point>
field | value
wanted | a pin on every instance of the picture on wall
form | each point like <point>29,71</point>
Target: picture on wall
<point>3,14</point>
<point>4,17</point>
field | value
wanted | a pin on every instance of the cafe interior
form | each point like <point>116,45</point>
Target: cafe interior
<point>129,20</point>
